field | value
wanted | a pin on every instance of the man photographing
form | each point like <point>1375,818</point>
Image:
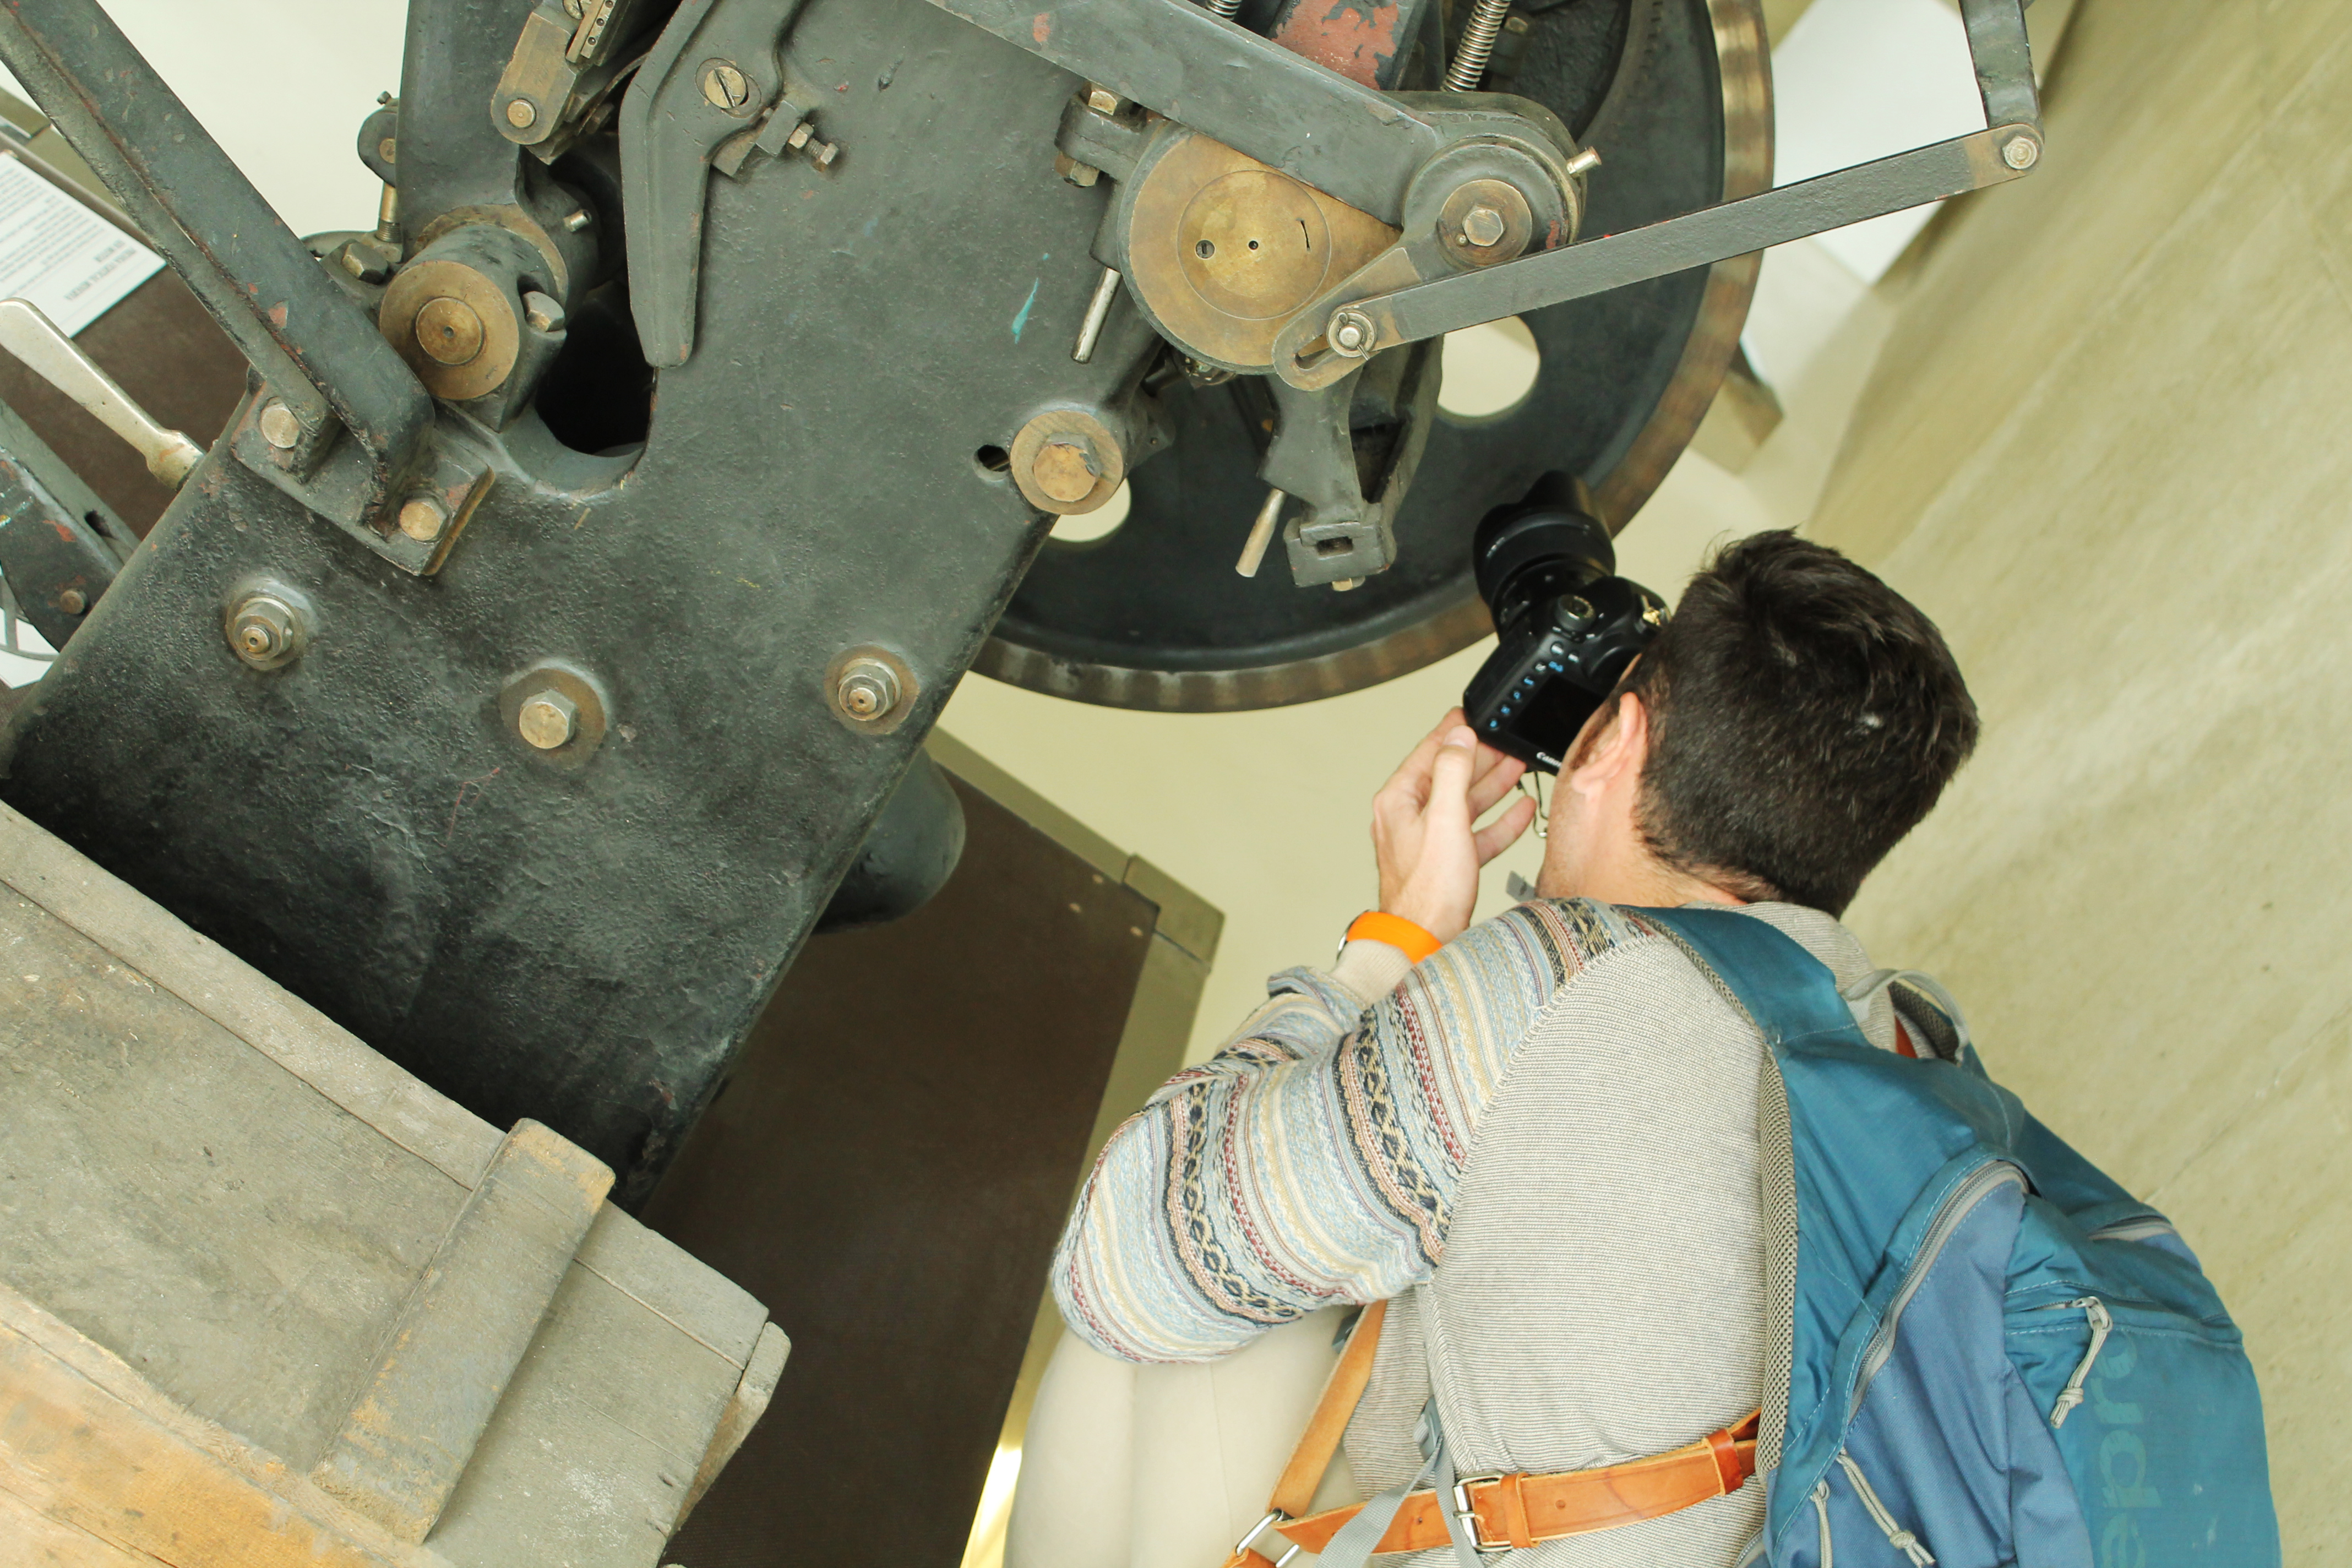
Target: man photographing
<point>1537,1139</point>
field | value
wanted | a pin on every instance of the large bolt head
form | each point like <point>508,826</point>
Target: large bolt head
<point>279,428</point>
<point>547,720</point>
<point>422,518</point>
<point>265,631</point>
<point>522,114</point>
<point>448,331</point>
<point>1066,470</point>
<point>1483,226</point>
<point>2021,152</point>
<point>724,86</point>
<point>867,689</point>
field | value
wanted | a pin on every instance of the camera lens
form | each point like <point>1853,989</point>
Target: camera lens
<point>1566,628</point>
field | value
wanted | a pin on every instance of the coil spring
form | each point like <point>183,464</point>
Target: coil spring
<point>1469,66</point>
<point>1221,8</point>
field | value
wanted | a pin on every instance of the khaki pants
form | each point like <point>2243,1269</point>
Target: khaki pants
<point>1165,1466</point>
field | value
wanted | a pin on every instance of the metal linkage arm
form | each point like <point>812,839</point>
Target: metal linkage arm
<point>1227,82</point>
<point>2006,151</point>
<point>321,354</point>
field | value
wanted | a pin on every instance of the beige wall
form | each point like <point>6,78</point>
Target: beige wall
<point>2107,449</point>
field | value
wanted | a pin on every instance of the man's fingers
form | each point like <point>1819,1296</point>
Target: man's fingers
<point>1497,777</point>
<point>1504,831</point>
<point>1449,783</point>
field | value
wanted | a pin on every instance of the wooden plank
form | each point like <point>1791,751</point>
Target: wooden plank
<point>742,1412</point>
<point>271,1019</point>
<point>666,1280</point>
<point>591,1455</point>
<point>464,1331</point>
<point>29,1539</point>
<point>89,1445</point>
<point>182,1200</point>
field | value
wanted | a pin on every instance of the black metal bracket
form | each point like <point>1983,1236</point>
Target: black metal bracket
<point>679,113</point>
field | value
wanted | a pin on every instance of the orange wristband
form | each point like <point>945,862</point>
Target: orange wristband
<point>1396,931</point>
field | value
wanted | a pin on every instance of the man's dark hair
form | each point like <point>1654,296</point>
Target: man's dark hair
<point>1803,718</point>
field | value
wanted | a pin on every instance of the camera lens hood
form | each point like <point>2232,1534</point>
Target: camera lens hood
<point>1550,543</point>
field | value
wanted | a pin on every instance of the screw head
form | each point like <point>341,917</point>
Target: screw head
<point>422,518</point>
<point>448,331</point>
<point>389,148</point>
<point>73,601</point>
<point>2021,152</point>
<point>1352,333</point>
<point>547,720</point>
<point>279,428</point>
<point>724,86</point>
<point>522,114</point>
<point>1066,469</point>
<point>867,689</point>
<point>1483,226</point>
<point>545,314</point>
<point>265,631</point>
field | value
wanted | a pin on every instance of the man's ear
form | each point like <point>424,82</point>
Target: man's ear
<point>1614,745</point>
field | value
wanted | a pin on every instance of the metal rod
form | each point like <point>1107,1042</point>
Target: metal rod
<point>1261,533</point>
<point>1097,312</point>
<point>1478,35</point>
<point>56,359</point>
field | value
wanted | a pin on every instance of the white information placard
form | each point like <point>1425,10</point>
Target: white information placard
<point>63,257</point>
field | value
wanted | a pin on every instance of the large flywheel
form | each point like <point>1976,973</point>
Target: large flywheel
<point>1676,96</point>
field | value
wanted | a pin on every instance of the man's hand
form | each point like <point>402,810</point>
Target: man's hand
<point>1423,826</point>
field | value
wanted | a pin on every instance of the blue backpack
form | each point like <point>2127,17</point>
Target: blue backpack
<point>1993,1354</point>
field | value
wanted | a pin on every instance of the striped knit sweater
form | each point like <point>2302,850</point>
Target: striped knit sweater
<point>1561,1095</point>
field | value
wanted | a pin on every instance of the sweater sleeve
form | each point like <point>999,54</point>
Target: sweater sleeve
<point>1313,1160</point>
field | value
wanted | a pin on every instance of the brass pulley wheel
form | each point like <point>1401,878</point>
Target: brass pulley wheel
<point>1675,95</point>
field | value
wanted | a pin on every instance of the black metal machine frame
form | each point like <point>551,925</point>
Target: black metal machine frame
<point>536,763</point>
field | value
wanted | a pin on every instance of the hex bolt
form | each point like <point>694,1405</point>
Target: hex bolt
<point>2021,152</point>
<point>545,314</point>
<point>724,86</point>
<point>73,601</point>
<point>279,426</point>
<point>1483,226</point>
<point>522,114</point>
<point>422,518</point>
<point>1352,333</point>
<point>1102,101</point>
<point>547,720</point>
<point>867,689</point>
<point>265,631</point>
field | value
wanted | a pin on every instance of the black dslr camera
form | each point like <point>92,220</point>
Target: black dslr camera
<point>1568,626</point>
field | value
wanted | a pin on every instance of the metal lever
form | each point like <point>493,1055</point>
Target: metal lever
<point>56,359</point>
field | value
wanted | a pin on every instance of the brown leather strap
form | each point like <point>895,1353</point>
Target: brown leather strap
<point>1293,1494</point>
<point>1522,1510</point>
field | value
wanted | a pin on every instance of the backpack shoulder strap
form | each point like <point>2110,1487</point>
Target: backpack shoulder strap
<point>1788,993</point>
